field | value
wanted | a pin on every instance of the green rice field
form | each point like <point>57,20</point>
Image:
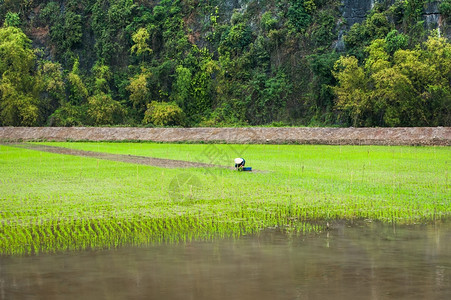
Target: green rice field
<point>54,202</point>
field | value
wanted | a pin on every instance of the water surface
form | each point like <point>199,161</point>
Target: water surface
<point>367,261</point>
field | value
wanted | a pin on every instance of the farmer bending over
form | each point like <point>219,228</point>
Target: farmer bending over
<point>239,163</point>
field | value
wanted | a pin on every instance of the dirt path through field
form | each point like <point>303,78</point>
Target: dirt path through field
<point>133,159</point>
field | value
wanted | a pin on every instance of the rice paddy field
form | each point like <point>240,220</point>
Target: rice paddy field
<point>52,202</point>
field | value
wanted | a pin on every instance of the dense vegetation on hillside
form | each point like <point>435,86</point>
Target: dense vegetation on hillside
<point>206,63</point>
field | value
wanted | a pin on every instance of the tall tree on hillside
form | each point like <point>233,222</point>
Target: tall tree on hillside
<point>140,39</point>
<point>102,108</point>
<point>19,103</point>
<point>408,88</point>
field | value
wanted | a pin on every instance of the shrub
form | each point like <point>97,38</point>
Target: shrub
<point>445,8</point>
<point>103,110</point>
<point>164,114</point>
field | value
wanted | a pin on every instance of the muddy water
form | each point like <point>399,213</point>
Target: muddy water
<point>360,262</point>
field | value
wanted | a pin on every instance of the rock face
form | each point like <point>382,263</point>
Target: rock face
<point>355,11</point>
<point>434,20</point>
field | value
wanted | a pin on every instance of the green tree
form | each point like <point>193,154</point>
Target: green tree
<point>267,22</point>
<point>66,27</point>
<point>429,69</point>
<point>376,26</point>
<point>102,77</point>
<point>409,88</point>
<point>164,114</point>
<point>378,58</point>
<point>266,98</point>
<point>139,90</point>
<point>19,103</point>
<point>50,83</point>
<point>78,93</point>
<point>182,86</point>
<point>75,111</point>
<point>140,39</point>
<point>352,90</point>
<point>68,115</point>
<point>109,22</point>
<point>12,19</point>
<point>299,13</point>
<point>194,84</point>
<point>393,96</point>
<point>395,41</point>
<point>322,96</point>
<point>103,110</point>
<point>445,8</point>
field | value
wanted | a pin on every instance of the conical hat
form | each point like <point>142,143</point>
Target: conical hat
<point>238,160</point>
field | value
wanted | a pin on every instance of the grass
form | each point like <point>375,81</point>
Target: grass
<point>51,202</point>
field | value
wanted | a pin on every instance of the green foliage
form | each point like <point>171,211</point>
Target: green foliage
<point>396,41</point>
<point>322,82</point>
<point>323,31</point>
<point>66,30</point>
<point>102,76</point>
<point>398,89</point>
<point>414,10</point>
<point>68,115</point>
<point>266,98</point>
<point>109,22</point>
<point>50,83</point>
<point>103,110</point>
<point>445,8</point>
<point>17,108</point>
<point>182,86</point>
<point>139,90</point>
<point>376,26</point>
<point>194,88</point>
<point>259,63</point>
<point>236,39</point>
<point>352,90</point>
<point>140,39</point>
<point>19,104</point>
<point>78,93</point>
<point>164,114</point>
<point>12,19</point>
<point>268,22</point>
<point>298,13</point>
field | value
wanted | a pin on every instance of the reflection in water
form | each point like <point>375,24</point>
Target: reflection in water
<point>361,262</point>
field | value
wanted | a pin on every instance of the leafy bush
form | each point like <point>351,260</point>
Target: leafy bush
<point>104,110</point>
<point>298,13</point>
<point>267,21</point>
<point>12,19</point>
<point>445,8</point>
<point>395,41</point>
<point>69,115</point>
<point>164,114</point>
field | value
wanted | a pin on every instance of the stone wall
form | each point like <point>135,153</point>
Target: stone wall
<point>334,136</point>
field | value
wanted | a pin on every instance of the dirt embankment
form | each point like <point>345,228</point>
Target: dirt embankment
<point>331,136</point>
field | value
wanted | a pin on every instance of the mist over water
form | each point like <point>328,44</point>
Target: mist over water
<point>363,261</point>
